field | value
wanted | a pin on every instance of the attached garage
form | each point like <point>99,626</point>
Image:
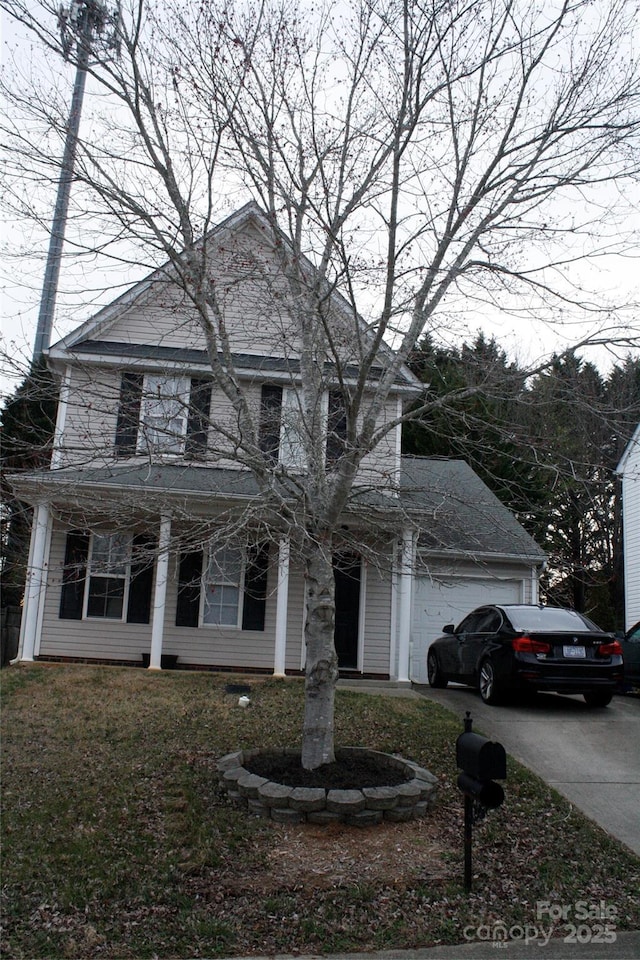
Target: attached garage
<point>446,598</point>
<point>469,549</point>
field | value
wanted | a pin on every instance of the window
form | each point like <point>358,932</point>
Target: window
<point>281,428</point>
<point>292,449</point>
<point>229,574</point>
<point>222,581</point>
<point>161,414</point>
<point>336,426</point>
<point>281,425</point>
<point>106,573</point>
<point>471,622</point>
<point>109,568</point>
<point>549,619</point>
<point>490,623</point>
<point>270,417</point>
<point>163,418</point>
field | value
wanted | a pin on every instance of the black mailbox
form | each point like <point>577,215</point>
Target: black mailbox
<point>481,758</point>
<point>482,761</point>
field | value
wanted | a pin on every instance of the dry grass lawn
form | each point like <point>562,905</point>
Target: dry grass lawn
<point>119,844</point>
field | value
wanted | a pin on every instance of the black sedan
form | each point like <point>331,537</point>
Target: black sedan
<point>515,647</point>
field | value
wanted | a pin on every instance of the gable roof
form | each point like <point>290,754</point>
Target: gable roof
<point>87,339</point>
<point>112,311</point>
<point>632,447</point>
<point>457,512</point>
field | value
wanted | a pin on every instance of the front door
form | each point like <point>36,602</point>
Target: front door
<point>346,571</point>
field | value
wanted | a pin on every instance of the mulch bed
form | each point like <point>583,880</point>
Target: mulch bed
<point>353,773</point>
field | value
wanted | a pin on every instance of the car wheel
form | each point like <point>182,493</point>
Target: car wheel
<point>597,699</point>
<point>487,683</point>
<point>434,673</point>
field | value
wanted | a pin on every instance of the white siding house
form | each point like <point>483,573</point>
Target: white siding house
<point>629,471</point>
<point>149,543</point>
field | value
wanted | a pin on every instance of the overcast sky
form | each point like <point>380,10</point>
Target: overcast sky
<point>85,284</point>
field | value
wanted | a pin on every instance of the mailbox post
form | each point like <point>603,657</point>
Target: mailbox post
<point>482,762</point>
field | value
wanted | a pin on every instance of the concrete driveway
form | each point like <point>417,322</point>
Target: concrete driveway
<point>590,756</point>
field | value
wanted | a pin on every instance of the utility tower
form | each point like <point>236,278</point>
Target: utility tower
<point>87,28</point>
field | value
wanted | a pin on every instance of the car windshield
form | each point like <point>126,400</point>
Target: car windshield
<point>548,620</point>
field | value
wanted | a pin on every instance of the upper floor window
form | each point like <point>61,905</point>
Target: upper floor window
<point>163,417</point>
<point>282,426</point>
<point>292,427</point>
<point>161,414</point>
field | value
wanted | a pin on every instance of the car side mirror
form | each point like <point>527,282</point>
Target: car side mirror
<point>449,628</point>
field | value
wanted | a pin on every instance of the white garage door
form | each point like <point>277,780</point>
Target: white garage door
<point>448,600</point>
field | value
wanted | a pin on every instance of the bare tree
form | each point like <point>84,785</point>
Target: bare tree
<point>418,159</point>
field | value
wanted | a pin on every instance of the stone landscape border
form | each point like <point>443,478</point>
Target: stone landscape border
<point>362,807</point>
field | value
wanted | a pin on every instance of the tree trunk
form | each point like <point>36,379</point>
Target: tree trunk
<point>322,662</point>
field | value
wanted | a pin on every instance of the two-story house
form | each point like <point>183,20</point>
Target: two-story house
<point>155,541</point>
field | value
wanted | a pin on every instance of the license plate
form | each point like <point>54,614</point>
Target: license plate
<point>574,653</point>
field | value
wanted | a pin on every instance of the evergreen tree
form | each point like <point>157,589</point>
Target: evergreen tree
<point>477,395</point>
<point>548,449</point>
<point>566,426</point>
<point>27,422</point>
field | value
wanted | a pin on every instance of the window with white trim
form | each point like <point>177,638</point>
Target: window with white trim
<point>164,413</point>
<point>282,425</point>
<point>108,575</point>
<point>222,587</point>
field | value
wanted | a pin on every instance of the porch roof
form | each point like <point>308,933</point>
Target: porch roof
<point>454,512</point>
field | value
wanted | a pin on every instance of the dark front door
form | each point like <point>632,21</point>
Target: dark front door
<point>346,570</point>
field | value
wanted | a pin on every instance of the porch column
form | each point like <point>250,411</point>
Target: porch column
<point>535,583</point>
<point>61,417</point>
<point>160,594</point>
<point>35,582</point>
<point>405,576</point>
<point>282,599</point>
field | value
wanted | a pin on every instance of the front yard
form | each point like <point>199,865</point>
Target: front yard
<point>118,843</point>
